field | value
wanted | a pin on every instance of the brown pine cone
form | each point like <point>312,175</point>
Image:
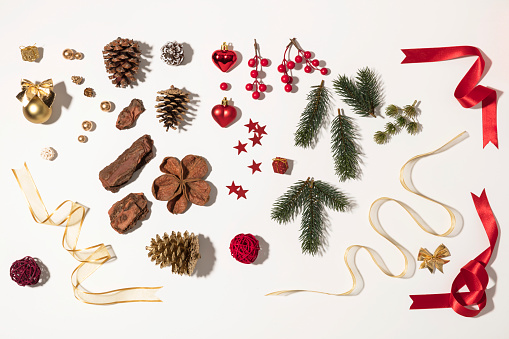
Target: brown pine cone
<point>122,60</point>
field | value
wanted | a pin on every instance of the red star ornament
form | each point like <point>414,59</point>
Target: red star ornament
<point>260,130</point>
<point>241,193</point>
<point>252,125</point>
<point>240,147</point>
<point>256,140</point>
<point>255,167</point>
<point>233,188</point>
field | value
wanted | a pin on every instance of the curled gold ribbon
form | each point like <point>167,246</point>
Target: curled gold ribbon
<point>351,251</point>
<point>44,91</point>
<point>90,258</point>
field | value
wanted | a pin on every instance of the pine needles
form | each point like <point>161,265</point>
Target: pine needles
<point>363,94</point>
<point>313,117</point>
<point>345,149</point>
<point>404,119</point>
<point>311,197</point>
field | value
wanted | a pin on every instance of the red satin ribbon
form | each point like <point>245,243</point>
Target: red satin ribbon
<point>473,275</point>
<point>467,93</point>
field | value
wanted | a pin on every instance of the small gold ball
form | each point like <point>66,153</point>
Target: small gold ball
<point>68,54</point>
<point>105,106</point>
<point>78,55</point>
<point>87,125</point>
<point>82,139</point>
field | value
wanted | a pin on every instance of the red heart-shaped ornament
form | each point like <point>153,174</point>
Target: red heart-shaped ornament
<point>224,114</point>
<point>223,58</point>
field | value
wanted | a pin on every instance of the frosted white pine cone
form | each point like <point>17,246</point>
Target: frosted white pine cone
<point>48,153</point>
<point>172,53</point>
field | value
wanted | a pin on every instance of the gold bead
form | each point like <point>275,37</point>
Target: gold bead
<point>105,106</point>
<point>89,92</point>
<point>82,139</point>
<point>68,54</point>
<point>87,125</point>
<point>78,55</point>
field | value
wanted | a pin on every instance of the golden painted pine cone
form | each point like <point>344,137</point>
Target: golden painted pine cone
<point>171,105</point>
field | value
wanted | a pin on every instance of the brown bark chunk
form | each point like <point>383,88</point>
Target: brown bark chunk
<point>119,172</point>
<point>124,214</point>
<point>130,114</point>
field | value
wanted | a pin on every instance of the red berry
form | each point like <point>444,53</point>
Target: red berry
<point>251,63</point>
<point>315,63</point>
<point>324,71</point>
<point>285,78</point>
<point>307,69</point>
<point>290,64</point>
<point>264,62</point>
<point>288,87</point>
<point>255,95</point>
<point>249,87</point>
<point>281,68</point>
<point>298,59</point>
<point>254,73</point>
<point>263,87</point>
<point>307,54</point>
<point>223,86</point>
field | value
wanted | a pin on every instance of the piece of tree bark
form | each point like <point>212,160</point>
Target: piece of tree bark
<point>124,214</point>
<point>130,114</point>
<point>119,172</point>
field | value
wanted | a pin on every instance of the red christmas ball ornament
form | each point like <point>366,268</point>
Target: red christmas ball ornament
<point>249,87</point>
<point>264,62</point>
<point>307,54</point>
<point>281,68</point>
<point>324,71</point>
<point>254,73</point>
<point>280,165</point>
<point>25,272</point>
<point>223,86</point>
<point>307,69</point>
<point>256,95</point>
<point>288,88</point>
<point>262,87</point>
<point>251,63</point>
<point>315,62</point>
<point>244,248</point>
<point>290,65</point>
<point>298,59</point>
<point>223,58</point>
<point>285,78</point>
<point>224,114</point>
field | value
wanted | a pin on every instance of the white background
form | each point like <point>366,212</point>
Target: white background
<point>225,299</point>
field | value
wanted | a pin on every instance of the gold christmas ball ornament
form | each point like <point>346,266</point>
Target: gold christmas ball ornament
<point>29,53</point>
<point>83,139</point>
<point>78,55</point>
<point>37,100</point>
<point>105,106</point>
<point>87,125</point>
<point>68,54</point>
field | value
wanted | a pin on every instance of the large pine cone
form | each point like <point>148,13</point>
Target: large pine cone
<point>122,60</point>
<point>171,105</point>
<point>181,252</point>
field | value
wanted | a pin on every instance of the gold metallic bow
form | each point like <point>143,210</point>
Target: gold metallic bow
<point>435,260</point>
<point>44,91</point>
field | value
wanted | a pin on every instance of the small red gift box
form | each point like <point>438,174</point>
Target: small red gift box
<point>280,165</point>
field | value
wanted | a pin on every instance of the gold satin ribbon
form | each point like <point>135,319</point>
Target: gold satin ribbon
<point>90,258</point>
<point>350,252</point>
<point>44,91</point>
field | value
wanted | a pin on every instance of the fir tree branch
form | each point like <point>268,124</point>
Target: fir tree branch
<point>312,224</point>
<point>344,147</point>
<point>313,117</point>
<point>287,206</point>
<point>363,95</point>
<point>332,197</point>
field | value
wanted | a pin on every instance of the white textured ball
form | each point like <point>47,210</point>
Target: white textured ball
<point>48,153</point>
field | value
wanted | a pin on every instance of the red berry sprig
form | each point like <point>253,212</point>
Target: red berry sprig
<point>288,64</point>
<point>257,85</point>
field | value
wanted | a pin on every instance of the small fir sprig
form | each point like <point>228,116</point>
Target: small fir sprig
<point>345,148</point>
<point>363,94</point>
<point>404,118</point>
<point>313,117</point>
<point>311,197</point>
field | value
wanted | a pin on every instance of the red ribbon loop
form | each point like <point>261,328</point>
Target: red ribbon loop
<point>468,93</point>
<point>473,275</point>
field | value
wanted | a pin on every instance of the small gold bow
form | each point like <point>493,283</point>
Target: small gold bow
<point>435,260</point>
<point>44,91</point>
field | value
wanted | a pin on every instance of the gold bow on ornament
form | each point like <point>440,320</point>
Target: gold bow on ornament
<point>44,91</point>
<point>435,260</point>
